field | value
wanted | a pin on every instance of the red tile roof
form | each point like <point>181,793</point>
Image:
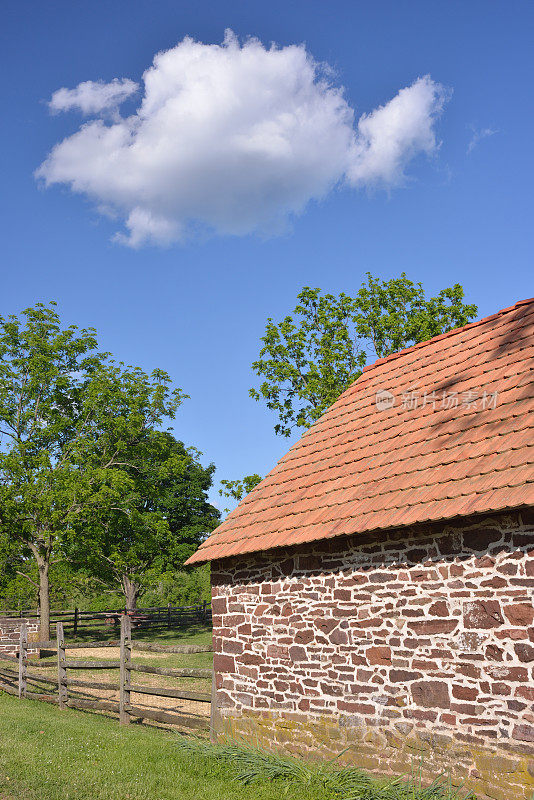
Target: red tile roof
<point>363,468</point>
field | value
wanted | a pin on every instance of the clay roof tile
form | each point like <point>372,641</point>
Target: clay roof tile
<point>458,440</point>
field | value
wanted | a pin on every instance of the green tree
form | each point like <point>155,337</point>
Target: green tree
<point>42,373</point>
<point>309,359</point>
<point>237,489</point>
<point>70,423</point>
<point>151,519</point>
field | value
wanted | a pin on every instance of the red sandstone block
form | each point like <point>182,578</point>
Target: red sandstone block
<point>248,672</point>
<point>232,646</point>
<point>441,653</point>
<point>521,614</point>
<point>524,652</point>
<point>219,605</point>
<point>297,653</point>
<point>304,636</point>
<point>339,636</point>
<point>478,721</point>
<point>233,620</point>
<point>464,692</point>
<point>524,733</point>
<point>275,651</point>
<point>281,686</point>
<point>495,582</point>
<point>380,655</point>
<point>508,673</point>
<point>355,580</point>
<point>326,624</point>
<point>342,594</point>
<point>525,691</point>
<point>431,694</point>
<point>469,670</point>
<point>361,688</point>
<point>439,609</point>
<point>244,630</point>
<point>494,653</point>
<point>516,705</point>
<point>501,689</point>
<point>424,665</point>
<point>467,708</point>
<point>483,614</point>
<point>356,708</point>
<point>250,659</point>
<point>223,663</point>
<point>481,538</point>
<point>368,623</point>
<point>507,569</point>
<point>433,626</point>
<point>512,633</point>
<point>403,675</point>
<point>424,716</point>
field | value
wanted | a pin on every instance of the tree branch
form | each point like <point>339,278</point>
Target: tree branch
<point>23,574</point>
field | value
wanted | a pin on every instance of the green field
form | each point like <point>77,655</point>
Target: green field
<point>192,633</point>
<point>48,754</point>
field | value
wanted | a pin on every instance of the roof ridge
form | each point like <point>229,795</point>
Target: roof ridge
<point>447,334</point>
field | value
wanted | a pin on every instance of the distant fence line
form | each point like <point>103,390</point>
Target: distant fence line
<point>15,681</point>
<point>153,618</point>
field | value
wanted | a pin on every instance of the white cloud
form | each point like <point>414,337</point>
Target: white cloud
<point>389,137</point>
<point>92,97</point>
<point>478,135</point>
<point>235,139</point>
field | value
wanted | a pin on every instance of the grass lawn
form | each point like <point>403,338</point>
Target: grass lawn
<point>191,633</point>
<point>47,754</point>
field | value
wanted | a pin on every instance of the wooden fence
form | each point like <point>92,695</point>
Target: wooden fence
<point>15,681</point>
<point>153,618</point>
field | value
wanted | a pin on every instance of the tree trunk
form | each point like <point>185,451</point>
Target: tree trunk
<point>44,599</point>
<point>131,590</point>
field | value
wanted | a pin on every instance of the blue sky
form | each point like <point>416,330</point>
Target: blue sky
<point>197,307</point>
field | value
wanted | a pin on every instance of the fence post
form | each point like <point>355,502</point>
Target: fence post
<point>169,615</point>
<point>125,664</point>
<point>204,611</point>
<point>75,621</point>
<point>215,714</point>
<point>23,659</point>
<point>61,666</point>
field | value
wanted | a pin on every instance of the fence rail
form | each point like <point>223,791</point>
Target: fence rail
<point>151,618</point>
<point>68,695</point>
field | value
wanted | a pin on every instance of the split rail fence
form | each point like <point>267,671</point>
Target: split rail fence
<point>153,618</point>
<point>15,681</point>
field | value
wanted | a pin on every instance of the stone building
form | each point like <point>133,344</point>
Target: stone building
<point>10,635</point>
<point>375,591</point>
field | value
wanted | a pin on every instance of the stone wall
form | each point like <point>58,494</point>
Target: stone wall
<point>418,643</point>
<point>10,635</point>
